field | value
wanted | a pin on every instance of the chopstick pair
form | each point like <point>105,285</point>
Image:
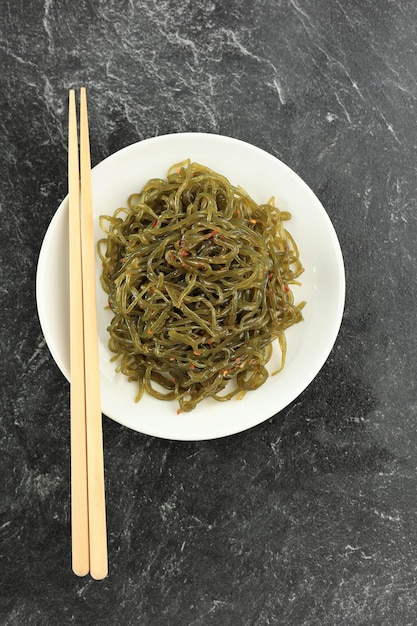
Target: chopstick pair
<point>88,508</point>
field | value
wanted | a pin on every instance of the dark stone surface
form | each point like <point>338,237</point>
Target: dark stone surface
<point>311,517</point>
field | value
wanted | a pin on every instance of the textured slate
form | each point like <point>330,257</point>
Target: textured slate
<point>309,518</point>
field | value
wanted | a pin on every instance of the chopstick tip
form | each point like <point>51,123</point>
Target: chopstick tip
<point>81,571</point>
<point>99,573</point>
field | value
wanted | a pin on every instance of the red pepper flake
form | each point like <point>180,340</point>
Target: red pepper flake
<point>178,411</point>
<point>171,358</point>
<point>192,366</point>
<point>149,332</point>
<point>196,352</point>
<point>286,288</point>
<point>185,253</point>
<point>270,276</point>
<point>212,234</point>
<point>154,223</point>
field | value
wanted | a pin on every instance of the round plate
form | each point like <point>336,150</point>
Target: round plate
<point>323,283</point>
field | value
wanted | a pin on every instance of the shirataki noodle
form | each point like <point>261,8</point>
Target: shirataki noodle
<point>198,279</point>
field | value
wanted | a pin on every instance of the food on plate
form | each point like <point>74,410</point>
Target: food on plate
<point>199,279</point>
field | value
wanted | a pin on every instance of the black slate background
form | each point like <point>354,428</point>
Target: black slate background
<point>309,518</point>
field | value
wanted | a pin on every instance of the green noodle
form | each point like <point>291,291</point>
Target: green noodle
<point>198,279</point>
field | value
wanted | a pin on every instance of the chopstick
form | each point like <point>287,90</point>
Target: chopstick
<point>88,508</point>
<point>79,495</point>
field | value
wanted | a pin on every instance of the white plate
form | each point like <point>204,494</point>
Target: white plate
<point>309,342</point>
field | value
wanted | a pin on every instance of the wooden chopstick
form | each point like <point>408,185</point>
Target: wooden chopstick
<point>79,497</point>
<point>91,446</point>
<point>95,460</point>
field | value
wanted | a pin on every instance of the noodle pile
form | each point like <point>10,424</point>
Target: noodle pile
<point>198,281</point>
